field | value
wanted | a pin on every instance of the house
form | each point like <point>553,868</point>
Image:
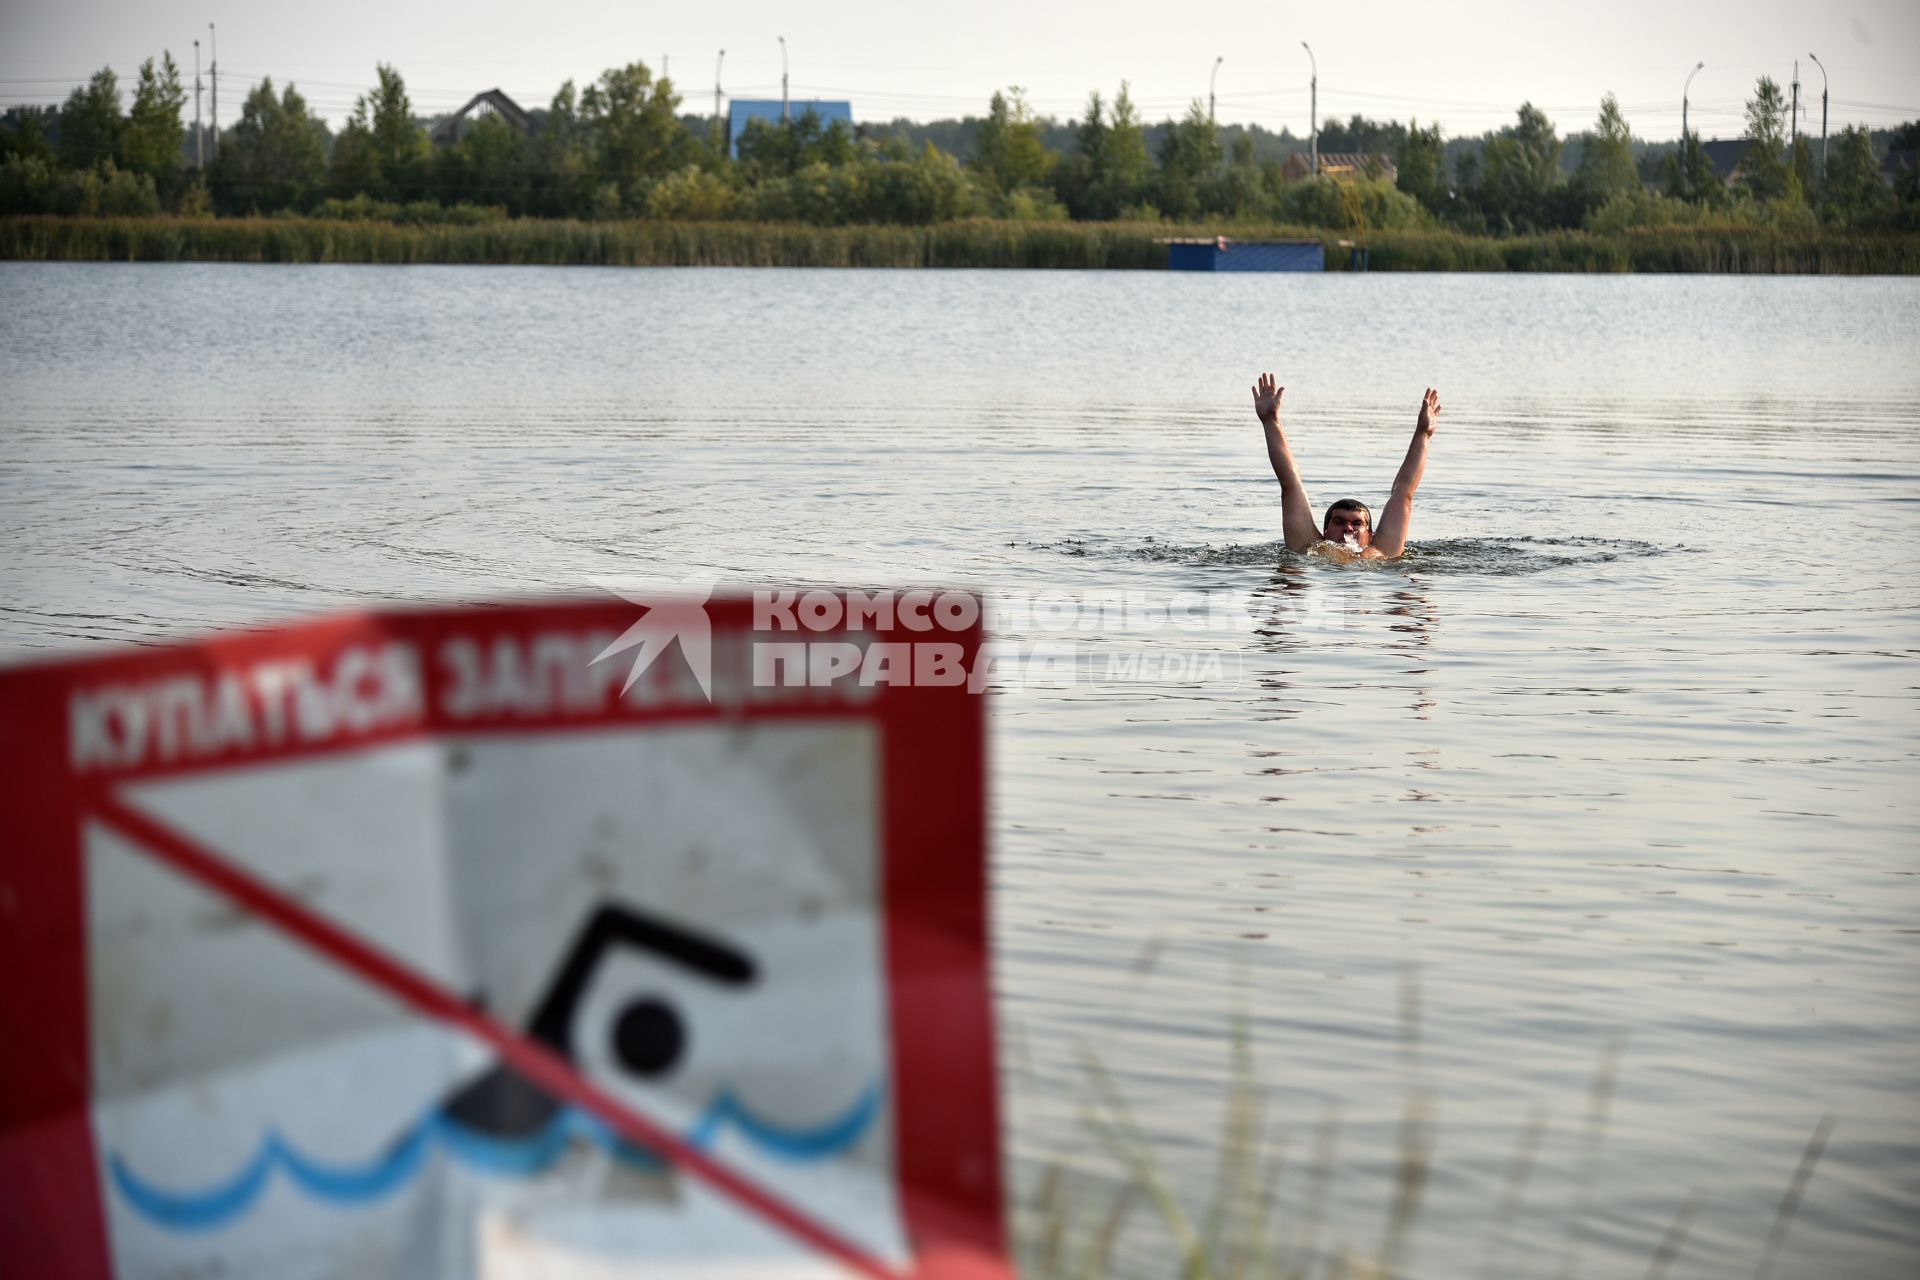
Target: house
<point>1340,164</point>
<point>742,110</point>
<point>447,130</point>
<point>1725,154</point>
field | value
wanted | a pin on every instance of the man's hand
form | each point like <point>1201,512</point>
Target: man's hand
<point>1429,411</point>
<point>1266,398</point>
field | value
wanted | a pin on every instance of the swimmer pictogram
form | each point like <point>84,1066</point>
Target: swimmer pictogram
<point>649,1036</point>
<point>504,1124</point>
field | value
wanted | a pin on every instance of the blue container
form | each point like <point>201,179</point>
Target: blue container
<point>1246,255</point>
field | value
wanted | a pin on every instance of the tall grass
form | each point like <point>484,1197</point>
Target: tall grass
<point>1239,1233</point>
<point>970,243</point>
<point>608,244</point>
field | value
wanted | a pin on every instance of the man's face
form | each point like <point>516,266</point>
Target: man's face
<point>1345,525</point>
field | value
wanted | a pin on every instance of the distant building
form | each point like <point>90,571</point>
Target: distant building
<point>1726,154</point>
<point>447,129</point>
<point>741,110</point>
<point>1339,164</point>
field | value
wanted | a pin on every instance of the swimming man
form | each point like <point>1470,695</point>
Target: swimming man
<point>1348,532</point>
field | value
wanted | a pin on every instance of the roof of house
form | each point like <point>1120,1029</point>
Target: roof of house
<point>1725,153</point>
<point>1300,163</point>
<point>490,101</point>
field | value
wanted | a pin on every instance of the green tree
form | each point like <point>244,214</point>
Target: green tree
<point>1906,176</point>
<point>930,188</point>
<point>488,165</point>
<point>274,158</point>
<point>1073,176</point>
<point>1240,188</point>
<point>91,123</point>
<point>1361,135</point>
<point>1007,151</point>
<point>1688,174</point>
<point>768,149</point>
<point>1800,162</point>
<point>635,127</point>
<point>150,144</point>
<point>1189,155</point>
<point>1763,165</point>
<point>1606,166</point>
<point>563,160</point>
<point>1128,167</point>
<point>1521,172</point>
<point>23,135</point>
<point>382,152</point>
<point>1421,161</point>
<point>1322,201</point>
<point>1109,170</point>
<point>1853,194</point>
<point>692,193</point>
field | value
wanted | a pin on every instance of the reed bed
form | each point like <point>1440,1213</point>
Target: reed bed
<point>975,243</point>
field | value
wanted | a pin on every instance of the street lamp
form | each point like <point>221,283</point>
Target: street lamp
<point>199,156</point>
<point>1313,106</point>
<point>783,78</point>
<point>213,76</point>
<point>717,127</point>
<point>1683,100</point>
<point>1823,117</point>
<point>1210,79</point>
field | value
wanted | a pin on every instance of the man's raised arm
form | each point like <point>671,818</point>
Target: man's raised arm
<point>1390,538</point>
<point>1296,512</point>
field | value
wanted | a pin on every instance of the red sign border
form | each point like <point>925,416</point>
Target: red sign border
<point>934,838</point>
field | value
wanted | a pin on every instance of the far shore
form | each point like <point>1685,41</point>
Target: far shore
<point>975,243</point>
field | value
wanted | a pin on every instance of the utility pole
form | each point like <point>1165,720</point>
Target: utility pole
<point>784,116</point>
<point>1313,106</point>
<point>199,159</point>
<point>213,74</point>
<point>1823,116</point>
<point>717,127</point>
<point>1793,137</point>
<point>1210,79</point>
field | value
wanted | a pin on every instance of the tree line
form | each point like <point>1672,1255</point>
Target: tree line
<point>619,148</point>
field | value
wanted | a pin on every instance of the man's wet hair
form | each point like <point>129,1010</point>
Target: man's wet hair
<point>1349,504</point>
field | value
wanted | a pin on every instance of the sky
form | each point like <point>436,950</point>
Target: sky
<point>1464,65</point>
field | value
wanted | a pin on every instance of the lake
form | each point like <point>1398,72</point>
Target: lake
<point>1585,836</point>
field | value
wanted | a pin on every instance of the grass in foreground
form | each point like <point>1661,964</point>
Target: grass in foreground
<point>1239,1235</point>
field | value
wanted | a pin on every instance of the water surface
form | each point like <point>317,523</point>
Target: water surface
<point>1612,777</point>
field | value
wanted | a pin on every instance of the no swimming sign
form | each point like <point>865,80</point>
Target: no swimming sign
<point>517,940</point>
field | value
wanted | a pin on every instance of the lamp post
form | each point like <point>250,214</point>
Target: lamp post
<point>717,126</point>
<point>1210,79</point>
<point>1313,106</point>
<point>199,156</point>
<point>1823,117</point>
<point>1683,101</point>
<point>783,79</point>
<point>213,74</point>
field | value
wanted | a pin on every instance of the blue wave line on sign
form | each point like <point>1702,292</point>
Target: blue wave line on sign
<point>207,1208</point>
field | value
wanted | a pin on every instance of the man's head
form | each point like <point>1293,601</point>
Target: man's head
<point>1349,519</point>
